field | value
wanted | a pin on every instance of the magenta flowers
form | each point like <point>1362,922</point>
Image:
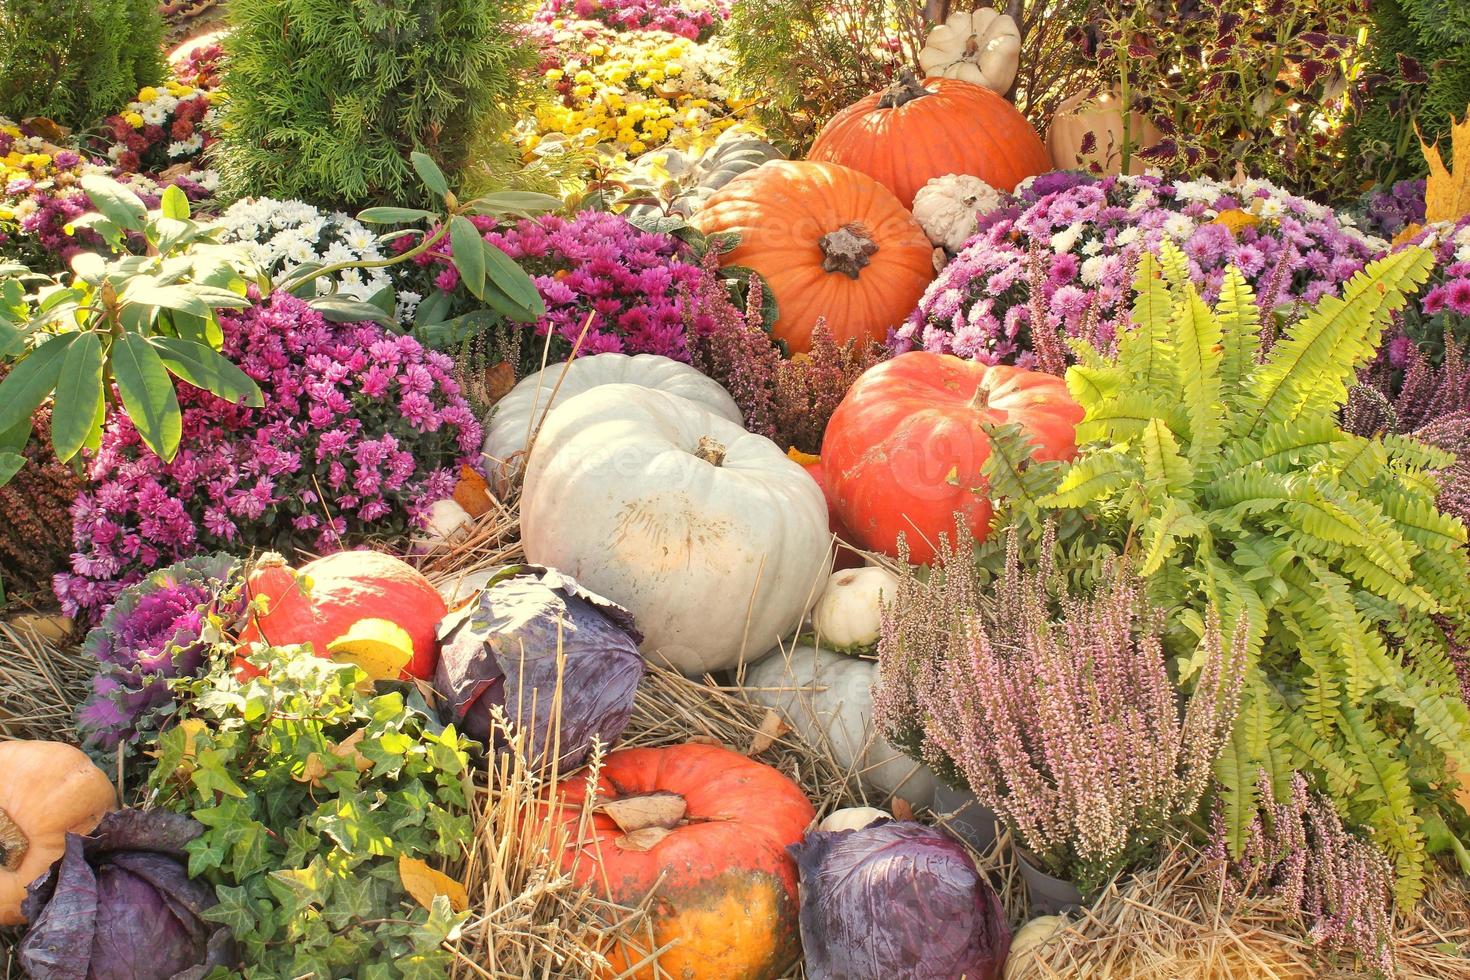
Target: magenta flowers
<point>361,432</point>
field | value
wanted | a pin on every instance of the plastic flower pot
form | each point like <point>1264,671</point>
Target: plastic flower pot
<point>965,816</point>
<point>1049,894</point>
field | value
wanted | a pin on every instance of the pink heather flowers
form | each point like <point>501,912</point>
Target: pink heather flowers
<point>1339,884</point>
<point>1070,730</point>
<point>361,432</point>
<point>632,283</point>
<point>1090,233</point>
<point>694,19</point>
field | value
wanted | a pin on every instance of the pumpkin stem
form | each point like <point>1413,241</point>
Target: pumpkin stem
<point>902,92</point>
<point>13,843</point>
<point>981,401</point>
<point>711,451</point>
<point>847,249</point>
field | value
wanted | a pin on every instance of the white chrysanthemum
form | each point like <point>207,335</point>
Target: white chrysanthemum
<point>1198,191</point>
<point>1127,236</point>
<point>358,237</point>
<point>1269,207</point>
<point>1065,240</point>
<point>1092,270</point>
<point>154,115</point>
<point>1092,246</point>
<point>1179,226</point>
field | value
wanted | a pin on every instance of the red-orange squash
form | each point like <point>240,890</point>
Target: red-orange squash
<point>912,132</point>
<point>904,449</point>
<point>715,830</point>
<point>829,242</point>
<point>321,601</point>
<point>845,557</point>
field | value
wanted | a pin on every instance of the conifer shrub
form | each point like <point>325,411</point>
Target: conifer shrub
<point>75,61</point>
<point>329,97</point>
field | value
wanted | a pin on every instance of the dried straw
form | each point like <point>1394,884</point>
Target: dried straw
<point>42,680</point>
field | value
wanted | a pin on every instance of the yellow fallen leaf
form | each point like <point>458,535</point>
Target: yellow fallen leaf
<point>423,883</point>
<point>1407,234</point>
<point>379,647</point>
<point>312,770</point>
<point>347,749</point>
<point>1235,220</point>
<point>804,459</point>
<point>1447,190</point>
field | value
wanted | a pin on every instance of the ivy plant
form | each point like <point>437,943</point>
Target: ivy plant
<point>1229,481</point>
<point>315,790</point>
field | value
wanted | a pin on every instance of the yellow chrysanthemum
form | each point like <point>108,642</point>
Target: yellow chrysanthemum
<point>133,119</point>
<point>147,94</point>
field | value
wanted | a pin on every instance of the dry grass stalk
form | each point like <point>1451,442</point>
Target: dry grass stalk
<point>41,683</point>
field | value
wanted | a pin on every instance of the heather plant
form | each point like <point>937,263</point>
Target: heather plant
<point>158,630</point>
<point>1417,82</point>
<point>1224,471</point>
<point>357,432</point>
<point>35,520</point>
<point>1069,729</point>
<point>75,61</point>
<point>329,99</point>
<point>1057,261</point>
<point>1234,83</point>
<point>1338,884</point>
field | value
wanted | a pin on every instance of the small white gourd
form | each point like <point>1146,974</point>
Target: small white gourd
<point>982,47</point>
<point>847,614</point>
<point>948,208</point>
<point>852,818</point>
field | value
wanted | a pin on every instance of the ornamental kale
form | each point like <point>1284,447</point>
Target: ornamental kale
<point>1063,253</point>
<point>156,631</point>
<point>1387,209</point>
<point>361,431</point>
<point>630,282</point>
<point>318,800</point>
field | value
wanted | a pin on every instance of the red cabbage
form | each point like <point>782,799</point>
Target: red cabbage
<point>120,905</point>
<point>502,651</point>
<point>897,900</point>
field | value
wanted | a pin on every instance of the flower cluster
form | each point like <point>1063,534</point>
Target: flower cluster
<point>1069,729</point>
<point>1339,884</point>
<point>633,92</point>
<point>163,127</point>
<point>694,19</point>
<point>596,271</point>
<point>361,431</point>
<point>152,634</point>
<point>1059,258</point>
<point>281,236</point>
<point>1443,308</point>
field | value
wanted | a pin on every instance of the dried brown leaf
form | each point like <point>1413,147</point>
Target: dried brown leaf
<point>660,809</point>
<point>642,840</point>
<point>773,726</point>
<point>424,883</point>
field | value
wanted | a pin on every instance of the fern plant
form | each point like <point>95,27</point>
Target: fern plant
<point>1223,471</point>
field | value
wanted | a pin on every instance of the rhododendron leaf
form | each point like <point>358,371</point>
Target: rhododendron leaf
<point>174,203</point>
<point>10,464</point>
<point>147,394</point>
<point>469,254</point>
<point>433,308</point>
<point>341,309</point>
<point>393,216</point>
<point>521,204</point>
<point>146,291</point>
<point>31,380</point>
<point>114,201</point>
<point>429,172</point>
<point>380,647</point>
<point>77,390</point>
<point>89,266</point>
<point>501,304</point>
<point>204,367</point>
<point>512,280</point>
<point>424,883</point>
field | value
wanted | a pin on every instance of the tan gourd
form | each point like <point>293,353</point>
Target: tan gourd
<point>982,47</point>
<point>1066,139</point>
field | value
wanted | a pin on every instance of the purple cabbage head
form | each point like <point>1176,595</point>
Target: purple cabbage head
<point>150,635</point>
<point>897,900</point>
<point>120,905</point>
<point>502,651</point>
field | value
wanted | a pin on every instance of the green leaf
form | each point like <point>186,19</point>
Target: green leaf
<point>429,172</point>
<point>469,253</point>
<point>147,394</point>
<point>433,309</point>
<point>10,464</point>
<point>77,390</point>
<point>174,203</point>
<point>522,204</point>
<point>341,309</point>
<point>204,367</point>
<point>393,216</point>
<point>31,380</point>
<point>513,281</point>
<point>115,202</point>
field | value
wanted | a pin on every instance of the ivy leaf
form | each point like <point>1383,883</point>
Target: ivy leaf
<point>147,394</point>
<point>78,388</point>
<point>234,910</point>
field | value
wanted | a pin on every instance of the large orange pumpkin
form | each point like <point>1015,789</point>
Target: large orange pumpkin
<point>715,827</point>
<point>322,601</point>
<point>904,449</point>
<point>829,242</point>
<point>912,132</point>
<point>47,790</point>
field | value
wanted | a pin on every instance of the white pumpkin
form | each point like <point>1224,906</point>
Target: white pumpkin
<point>711,537</point>
<point>516,416</point>
<point>852,818</point>
<point>828,696</point>
<point>1029,940</point>
<point>847,615</point>
<point>981,46</point>
<point>948,208</point>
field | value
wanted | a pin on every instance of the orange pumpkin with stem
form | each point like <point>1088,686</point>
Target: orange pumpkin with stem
<point>705,830</point>
<point>829,242</point>
<point>912,132</point>
<point>903,453</point>
<point>47,790</point>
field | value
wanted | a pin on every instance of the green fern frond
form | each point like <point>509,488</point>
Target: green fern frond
<point>1011,473</point>
<point>1240,332</point>
<point>1385,797</point>
<point>1093,478</point>
<point>1146,351</point>
<point>1197,340</point>
<point>1118,418</point>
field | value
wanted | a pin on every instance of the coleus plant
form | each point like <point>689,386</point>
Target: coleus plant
<point>1225,473</point>
<point>126,325</point>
